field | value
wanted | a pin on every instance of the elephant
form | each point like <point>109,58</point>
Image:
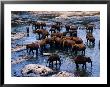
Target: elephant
<point>80,59</point>
<point>42,44</point>
<point>39,25</point>
<point>90,38</point>
<point>42,24</point>
<point>73,33</point>
<point>50,41</point>
<point>56,27</point>
<point>67,37</point>
<point>67,44</point>
<point>77,40</point>
<point>79,47</point>
<point>42,32</point>
<point>59,43</point>
<point>58,23</point>
<point>57,34</point>
<point>52,30</point>
<point>53,57</point>
<point>32,46</point>
<point>73,27</point>
<point>67,27</point>
<point>90,27</point>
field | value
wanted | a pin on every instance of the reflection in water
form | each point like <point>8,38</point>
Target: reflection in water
<point>81,72</point>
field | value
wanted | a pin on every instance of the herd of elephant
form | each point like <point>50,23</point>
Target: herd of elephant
<point>61,40</point>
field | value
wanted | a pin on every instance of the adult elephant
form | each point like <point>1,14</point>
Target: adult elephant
<point>52,58</point>
<point>37,25</point>
<point>67,26</point>
<point>90,27</point>
<point>79,47</point>
<point>80,59</point>
<point>42,25</point>
<point>52,30</point>
<point>58,34</point>
<point>42,44</point>
<point>67,44</point>
<point>42,32</point>
<point>50,41</point>
<point>73,27</point>
<point>90,38</point>
<point>56,27</point>
<point>77,40</point>
<point>31,47</point>
<point>73,33</point>
<point>58,42</point>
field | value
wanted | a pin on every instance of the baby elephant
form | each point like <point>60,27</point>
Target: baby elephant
<point>80,59</point>
<point>52,58</point>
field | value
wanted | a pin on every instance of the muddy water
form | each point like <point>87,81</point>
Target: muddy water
<point>67,64</point>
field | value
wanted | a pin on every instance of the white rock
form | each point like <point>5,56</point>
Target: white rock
<point>38,70</point>
<point>63,74</point>
<point>18,48</point>
<point>17,36</point>
<point>20,59</point>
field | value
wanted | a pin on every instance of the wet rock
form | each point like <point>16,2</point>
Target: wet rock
<point>63,74</point>
<point>17,36</point>
<point>20,59</point>
<point>18,48</point>
<point>37,70</point>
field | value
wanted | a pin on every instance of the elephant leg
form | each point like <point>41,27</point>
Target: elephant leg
<point>27,50</point>
<point>54,31</point>
<point>84,51</point>
<point>92,31</point>
<point>32,51</point>
<point>77,66</point>
<point>93,42</point>
<point>60,62</point>
<point>85,65</point>
<point>49,63</point>
<point>41,50</point>
<point>37,52</point>
<point>75,52</point>
<point>87,41</point>
<point>35,27</point>
<point>39,36</point>
<point>52,64</point>
<point>56,63</point>
<point>51,31</point>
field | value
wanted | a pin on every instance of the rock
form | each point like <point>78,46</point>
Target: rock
<point>20,59</point>
<point>38,70</point>
<point>17,36</point>
<point>18,48</point>
<point>63,74</point>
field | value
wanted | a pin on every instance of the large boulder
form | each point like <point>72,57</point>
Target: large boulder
<point>36,70</point>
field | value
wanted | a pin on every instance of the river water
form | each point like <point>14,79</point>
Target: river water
<point>67,63</point>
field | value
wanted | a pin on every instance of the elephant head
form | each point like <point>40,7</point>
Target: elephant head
<point>88,59</point>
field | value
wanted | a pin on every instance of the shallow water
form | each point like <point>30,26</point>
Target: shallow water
<point>67,63</point>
